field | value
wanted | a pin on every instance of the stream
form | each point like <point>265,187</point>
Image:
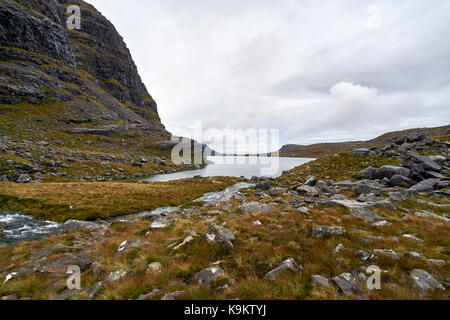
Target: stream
<point>17,227</point>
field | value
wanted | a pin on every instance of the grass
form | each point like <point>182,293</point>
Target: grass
<point>88,201</point>
<point>248,262</point>
<point>338,167</point>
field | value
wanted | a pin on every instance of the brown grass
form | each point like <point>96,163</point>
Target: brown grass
<point>91,200</point>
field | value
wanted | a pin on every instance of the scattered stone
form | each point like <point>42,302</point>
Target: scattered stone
<point>66,295</point>
<point>368,187</point>
<point>92,291</point>
<point>415,255</point>
<point>173,296</point>
<point>154,268</point>
<point>368,173</point>
<point>401,181</point>
<point>218,234</point>
<point>252,207</point>
<point>303,210</point>
<point>390,171</point>
<point>117,275</point>
<point>264,185</point>
<point>321,231</point>
<point>412,237</point>
<point>160,224</point>
<point>339,248</point>
<point>397,196</point>
<point>208,275</point>
<point>391,253</point>
<point>288,264</point>
<point>185,241</point>
<point>383,223</point>
<point>308,191</point>
<point>428,185</point>
<point>346,283</point>
<point>425,281</point>
<point>23,178</point>
<point>277,191</point>
<point>128,245</point>
<point>295,203</point>
<point>311,181</point>
<point>60,266</point>
<point>437,261</point>
<point>361,152</point>
<point>320,281</point>
<point>147,296</point>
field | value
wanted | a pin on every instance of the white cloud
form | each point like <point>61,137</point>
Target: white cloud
<point>309,68</point>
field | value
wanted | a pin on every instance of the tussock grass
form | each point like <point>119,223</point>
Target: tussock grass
<point>87,201</point>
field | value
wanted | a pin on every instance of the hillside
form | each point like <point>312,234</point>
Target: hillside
<point>72,103</point>
<point>324,149</point>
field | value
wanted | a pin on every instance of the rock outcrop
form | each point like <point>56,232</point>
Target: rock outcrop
<point>88,73</point>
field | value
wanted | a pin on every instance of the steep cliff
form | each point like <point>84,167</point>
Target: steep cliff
<point>91,69</point>
<point>72,94</point>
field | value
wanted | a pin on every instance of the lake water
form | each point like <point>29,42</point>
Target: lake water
<point>232,166</point>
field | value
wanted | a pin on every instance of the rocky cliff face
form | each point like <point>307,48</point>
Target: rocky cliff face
<point>72,103</point>
<point>89,72</point>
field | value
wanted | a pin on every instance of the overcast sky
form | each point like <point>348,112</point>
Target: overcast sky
<point>317,70</point>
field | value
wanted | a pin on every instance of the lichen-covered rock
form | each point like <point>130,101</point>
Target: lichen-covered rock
<point>425,281</point>
<point>219,234</point>
<point>322,231</point>
<point>288,264</point>
<point>208,275</point>
<point>252,207</point>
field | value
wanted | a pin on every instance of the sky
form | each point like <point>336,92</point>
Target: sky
<point>303,71</point>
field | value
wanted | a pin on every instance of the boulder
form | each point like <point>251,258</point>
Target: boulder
<point>428,185</point>
<point>415,137</point>
<point>60,265</point>
<point>23,178</point>
<point>128,245</point>
<point>252,207</point>
<point>427,162</point>
<point>321,231</point>
<point>311,181</point>
<point>320,281</point>
<point>154,267</point>
<point>390,253</point>
<point>390,171</point>
<point>219,234</point>
<point>346,283</point>
<point>361,152</point>
<point>277,191</point>
<point>308,191</point>
<point>401,181</point>
<point>425,281</point>
<point>368,173</point>
<point>208,275</point>
<point>288,264</point>
<point>367,187</point>
<point>264,185</point>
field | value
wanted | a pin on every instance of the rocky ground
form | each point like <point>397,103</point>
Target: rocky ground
<point>313,233</point>
<point>25,161</point>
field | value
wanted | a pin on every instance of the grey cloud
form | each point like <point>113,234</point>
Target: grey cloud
<point>274,64</point>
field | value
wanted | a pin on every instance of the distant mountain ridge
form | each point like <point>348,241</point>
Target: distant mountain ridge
<point>323,149</point>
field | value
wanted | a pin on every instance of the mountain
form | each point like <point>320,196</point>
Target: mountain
<point>323,149</point>
<point>73,96</point>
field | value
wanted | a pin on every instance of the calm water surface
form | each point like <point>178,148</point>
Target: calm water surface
<point>237,167</point>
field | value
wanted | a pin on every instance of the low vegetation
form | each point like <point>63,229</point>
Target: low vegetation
<point>99,200</point>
